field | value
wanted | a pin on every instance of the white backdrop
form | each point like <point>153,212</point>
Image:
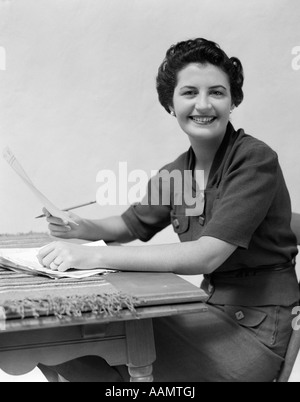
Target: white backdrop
<point>77,94</point>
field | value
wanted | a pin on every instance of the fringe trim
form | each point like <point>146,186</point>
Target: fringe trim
<point>107,305</point>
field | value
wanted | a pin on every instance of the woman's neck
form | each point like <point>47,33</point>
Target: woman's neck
<point>205,153</point>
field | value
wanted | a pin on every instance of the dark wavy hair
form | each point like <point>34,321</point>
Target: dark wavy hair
<point>197,51</point>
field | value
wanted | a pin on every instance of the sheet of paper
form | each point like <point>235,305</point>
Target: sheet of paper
<point>54,211</point>
<point>25,260</point>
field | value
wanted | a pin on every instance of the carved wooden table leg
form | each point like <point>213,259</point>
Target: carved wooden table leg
<point>141,374</point>
<point>140,337</point>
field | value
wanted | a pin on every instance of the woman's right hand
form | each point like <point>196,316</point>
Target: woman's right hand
<point>64,229</point>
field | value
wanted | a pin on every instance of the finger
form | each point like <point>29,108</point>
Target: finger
<point>46,212</point>
<point>53,266</point>
<point>58,260</point>
<point>64,266</point>
<point>73,216</point>
<point>44,251</point>
<point>59,228</point>
<point>56,263</point>
<point>56,221</point>
<point>48,261</point>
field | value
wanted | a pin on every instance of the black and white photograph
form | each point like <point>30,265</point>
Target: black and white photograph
<point>149,193</point>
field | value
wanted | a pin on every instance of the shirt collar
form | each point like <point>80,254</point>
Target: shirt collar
<point>221,154</point>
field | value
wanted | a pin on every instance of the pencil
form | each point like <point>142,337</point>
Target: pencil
<point>70,208</point>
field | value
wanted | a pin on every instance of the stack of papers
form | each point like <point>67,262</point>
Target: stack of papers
<point>25,260</point>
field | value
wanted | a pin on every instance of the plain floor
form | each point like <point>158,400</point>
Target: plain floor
<point>37,376</point>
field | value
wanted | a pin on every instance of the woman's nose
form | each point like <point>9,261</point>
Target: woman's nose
<point>202,103</point>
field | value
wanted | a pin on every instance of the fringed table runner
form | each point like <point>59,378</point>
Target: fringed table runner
<point>23,295</point>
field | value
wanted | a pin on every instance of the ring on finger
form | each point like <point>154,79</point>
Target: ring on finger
<point>54,266</point>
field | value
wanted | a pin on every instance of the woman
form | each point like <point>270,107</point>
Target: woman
<point>237,234</point>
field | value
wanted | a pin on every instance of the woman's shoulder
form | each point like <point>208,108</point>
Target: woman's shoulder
<point>250,147</point>
<point>182,162</point>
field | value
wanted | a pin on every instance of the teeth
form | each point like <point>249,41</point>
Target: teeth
<point>203,119</point>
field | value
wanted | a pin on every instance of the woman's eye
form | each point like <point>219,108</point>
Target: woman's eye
<point>217,93</point>
<point>189,93</point>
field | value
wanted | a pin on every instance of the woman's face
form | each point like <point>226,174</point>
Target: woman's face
<point>202,101</point>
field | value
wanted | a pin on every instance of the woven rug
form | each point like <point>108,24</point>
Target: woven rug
<point>23,295</point>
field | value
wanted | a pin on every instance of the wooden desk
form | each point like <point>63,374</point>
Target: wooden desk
<point>126,340</point>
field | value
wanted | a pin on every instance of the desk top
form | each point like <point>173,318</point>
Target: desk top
<point>156,288</point>
<point>160,294</point>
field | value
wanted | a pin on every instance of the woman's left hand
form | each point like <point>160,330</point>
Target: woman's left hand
<point>61,256</point>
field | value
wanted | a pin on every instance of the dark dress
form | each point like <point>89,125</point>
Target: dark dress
<point>244,335</point>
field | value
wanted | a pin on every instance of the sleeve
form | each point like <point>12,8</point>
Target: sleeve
<point>152,214</point>
<point>246,195</point>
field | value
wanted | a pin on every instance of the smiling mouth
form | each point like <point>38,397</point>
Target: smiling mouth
<point>204,120</point>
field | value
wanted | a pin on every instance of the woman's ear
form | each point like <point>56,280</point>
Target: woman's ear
<point>172,111</point>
